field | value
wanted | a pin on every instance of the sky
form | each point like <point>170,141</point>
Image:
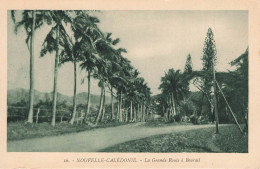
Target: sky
<point>155,42</point>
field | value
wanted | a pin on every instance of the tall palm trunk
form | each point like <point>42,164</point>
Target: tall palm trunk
<point>31,94</point>
<point>112,104</point>
<point>170,112</point>
<point>138,116</point>
<point>126,115</point>
<point>88,100</point>
<point>202,105</point>
<point>131,111</point>
<point>144,114</point>
<point>134,114</point>
<point>117,115</point>
<point>173,105</point>
<point>55,78</point>
<point>141,113</point>
<point>104,108</point>
<point>74,94</point>
<point>120,107</point>
<point>100,105</point>
<point>147,113</point>
<point>123,109</point>
<point>163,109</point>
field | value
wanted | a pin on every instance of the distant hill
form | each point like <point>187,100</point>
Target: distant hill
<point>16,95</point>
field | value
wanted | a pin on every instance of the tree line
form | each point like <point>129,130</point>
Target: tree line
<point>178,102</point>
<point>75,37</point>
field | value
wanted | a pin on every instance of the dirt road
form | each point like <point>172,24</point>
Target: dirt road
<point>94,140</point>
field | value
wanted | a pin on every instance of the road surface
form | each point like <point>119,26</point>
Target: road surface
<point>94,140</point>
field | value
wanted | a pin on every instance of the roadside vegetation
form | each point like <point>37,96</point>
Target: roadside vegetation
<point>20,131</point>
<point>229,140</point>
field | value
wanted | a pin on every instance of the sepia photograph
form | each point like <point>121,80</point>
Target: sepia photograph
<point>127,81</point>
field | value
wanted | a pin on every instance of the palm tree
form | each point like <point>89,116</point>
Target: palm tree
<point>143,97</point>
<point>52,42</point>
<point>132,92</point>
<point>107,67</point>
<point>109,55</point>
<point>113,67</point>
<point>88,35</point>
<point>121,83</point>
<point>175,87</point>
<point>88,64</point>
<point>81,47</point>
<point>101,75</point>
<point>31,20</point>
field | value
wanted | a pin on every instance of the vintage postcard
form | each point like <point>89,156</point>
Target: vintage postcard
<point>130,84</point>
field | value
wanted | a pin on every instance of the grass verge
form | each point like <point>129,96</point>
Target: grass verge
<point>229,140</point>
<point>22,130</point>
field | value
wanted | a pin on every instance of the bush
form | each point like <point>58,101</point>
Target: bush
<point>203,120</point>
<point>185,119</point>
<point>177,118</point>
<point>194,119</point>
<point>171,118</point>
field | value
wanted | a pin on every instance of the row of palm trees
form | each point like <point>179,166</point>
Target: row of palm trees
<point>75,37</point>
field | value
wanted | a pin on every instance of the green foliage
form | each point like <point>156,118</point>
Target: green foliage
<point>20,130</point>
<point>202,140</point>
<point>209,51</point>
<point>26,21</point>
<point>177,117</point>
<point>174,82</point>
<point>235,87</point>
<point>194,119</point>
<point>188,65</point>
<point>187,107</point>
<point>209,58</point>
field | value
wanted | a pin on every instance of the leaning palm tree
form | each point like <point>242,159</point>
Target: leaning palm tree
<point>87,34</point>
<point>101,75</point>
<point>121,85</point>
<point>53,42</point>
<point>113,67</point>
<point>80,46</point>
<point>31,20</point>
<point>143,95</point>
<point>88,64</point>
<point>105,65</point>
<point>132,93</point>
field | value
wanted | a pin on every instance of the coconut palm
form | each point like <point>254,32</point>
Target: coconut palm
<point>132,92</point>
<point>100,74</point>
<point>88,34</point>
<point>107,66</point>
<point>123,76</point>
<point>53,42</point>
<point>175,87</point>
<point>115,76</point>
<point>31,20</point>
<point>143,97</point>
<point>103,52</point>
<point>80,47</point>
<point>113,67</point>
<point>109,55</point>
<point>88,64</point>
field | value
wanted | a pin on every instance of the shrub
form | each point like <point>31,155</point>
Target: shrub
<point>177,118</point>
<point>194,119</point>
